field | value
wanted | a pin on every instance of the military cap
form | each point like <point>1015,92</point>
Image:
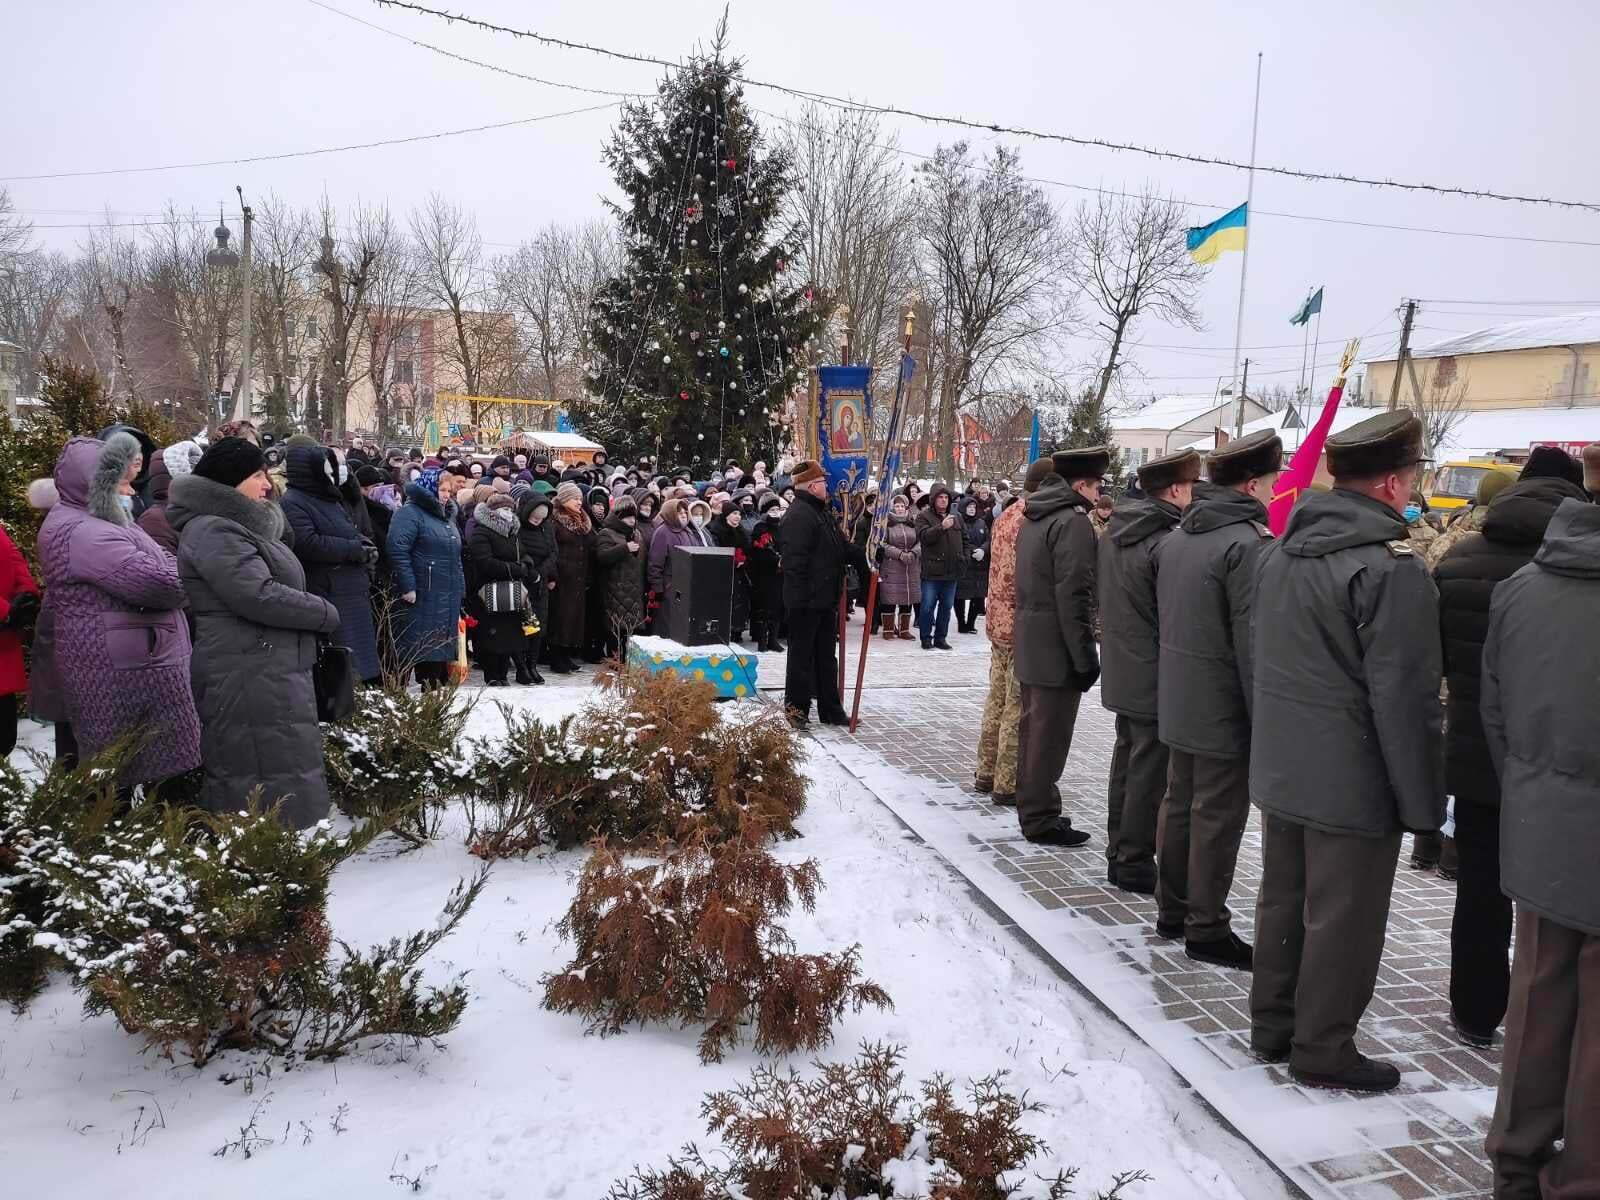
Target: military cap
<point>1089,462</point>
<point>1378,445</point>
<point>1163,472</point>
<point>1256,454</point>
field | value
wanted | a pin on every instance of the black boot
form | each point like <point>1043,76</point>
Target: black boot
<point>773,643</point>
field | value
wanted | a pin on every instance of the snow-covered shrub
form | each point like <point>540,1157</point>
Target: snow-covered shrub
<point>696,939</point>
<point>853,1130</point>
<point>396,761</point>
<point>651,760</point>
<point>199,931</point>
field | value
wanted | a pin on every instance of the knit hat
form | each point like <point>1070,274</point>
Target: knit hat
<point>501,500</point>
<point>1038,471</point>
<point>428,481</point>
<point>1491,485</point>
<point>231,461</point>
<point>369,476</point>
<point>1591,467</point>
<point>806,472</point>
<point>769,500</point>
<point>521,488</point>
<point>302,439</point>
<point>544,488</point>
<point>1551,462</point>
<point>180,457</point>
<point>624,507</point>
<point>502,485</point>
<point>568,492</point>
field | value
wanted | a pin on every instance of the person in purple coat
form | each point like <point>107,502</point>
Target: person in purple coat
<point>120,648</point>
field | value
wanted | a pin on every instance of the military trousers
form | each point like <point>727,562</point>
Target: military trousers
<point>1002,714</point>
<point>1321,916</point>
<point>1133,800</point>
<point>1550,1072</point>
<point>1200,826</point>
<point>1044,739</point>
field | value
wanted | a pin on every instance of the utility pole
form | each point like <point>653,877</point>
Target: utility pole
<point>241,392</point>
<point>1244,382</point>
<point>1405,352</point>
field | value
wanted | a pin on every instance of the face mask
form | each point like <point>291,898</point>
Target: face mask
<point>699,521</point>
<point>1413,511</point>
<point>344,473</point>
<point>126,503</point>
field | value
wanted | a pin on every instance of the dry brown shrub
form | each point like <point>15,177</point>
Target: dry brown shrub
<point>696,939</point>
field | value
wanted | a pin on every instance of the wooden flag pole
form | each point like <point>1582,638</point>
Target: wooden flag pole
<point>866,641</point>
<point>844,617</point>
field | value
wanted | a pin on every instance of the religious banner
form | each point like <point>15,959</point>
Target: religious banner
<point>889,460</point>
<point>844,417</point>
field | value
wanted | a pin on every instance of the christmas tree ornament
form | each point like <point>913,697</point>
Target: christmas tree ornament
<point>743,289</point>
<point>723,351</point>
<point>666,359</point>
<point>683,395</point>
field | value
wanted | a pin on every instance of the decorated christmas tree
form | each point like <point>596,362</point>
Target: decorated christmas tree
<point>703,335</point>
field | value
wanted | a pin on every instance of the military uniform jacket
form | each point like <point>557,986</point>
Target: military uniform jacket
<point>1053,631</point>
<point>1205,577</point>
<point>1130,635</point>
<point>1347,722</point>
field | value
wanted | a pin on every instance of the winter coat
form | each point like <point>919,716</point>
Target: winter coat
<point>941,547</point>
<point>974,582</point>
<point>737,540</point>
<point>153,520</point>
<point>380,516</point>
<point>16,581</point>
<point>621,579</point>
<point>425,555</point>
<point>493,554</point>
<point>1130,634</point>
<point>900,562</point>
<point>659,565</point>
<point>539,553</point>
<point>569,602</point>
<point>1205,579</point>
<point>1513,526</point>
<point>815,554</point>
<point>766,570</point>
<point>256,630</point>
<point>1053,633</point>
<point>1540,661</point>
<point>121,644</point>
<point>1347,723</point>
<point>1000,606</point>
<point>1470,521</point>
<point>333,552</point>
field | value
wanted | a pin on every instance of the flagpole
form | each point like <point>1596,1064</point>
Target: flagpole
<point>1316,344</point>
<point>1305,340</point>
<point>1244,264</point>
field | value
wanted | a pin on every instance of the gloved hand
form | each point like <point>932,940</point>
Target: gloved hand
<point>977,556</point>
<point>24,611</point>
<point>369,551</point>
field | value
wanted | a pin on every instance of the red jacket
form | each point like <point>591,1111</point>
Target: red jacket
<point>14,580</point>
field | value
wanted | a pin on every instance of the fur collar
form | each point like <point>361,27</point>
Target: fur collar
<point>121,449</point>
<point>502,520</point>
<point>195,496</point>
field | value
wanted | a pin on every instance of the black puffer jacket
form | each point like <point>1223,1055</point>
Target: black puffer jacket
<point>1466,577</point>
<point>1130,634</point>
<point>1053,634</point>
<point>815,553</point>
<point>1205,576</point>
<point>1347,724</point>
<point>1540,662</point>
<point>538,551</point>
<point>941,547</point>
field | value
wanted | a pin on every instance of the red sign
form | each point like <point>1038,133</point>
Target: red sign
<point>1573,448</point>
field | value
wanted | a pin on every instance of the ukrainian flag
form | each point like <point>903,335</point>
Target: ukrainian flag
<point>1207,242</point>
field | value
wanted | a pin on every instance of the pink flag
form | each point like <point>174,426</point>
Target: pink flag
<point>1302,469</point>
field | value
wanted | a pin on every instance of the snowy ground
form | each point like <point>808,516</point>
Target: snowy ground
<point>520,1103</point>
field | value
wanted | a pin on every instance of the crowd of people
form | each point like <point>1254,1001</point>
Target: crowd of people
<point>1308,675</point>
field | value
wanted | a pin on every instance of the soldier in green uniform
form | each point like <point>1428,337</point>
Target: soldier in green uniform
<point>1205,577</point>
<point>1346,749</point>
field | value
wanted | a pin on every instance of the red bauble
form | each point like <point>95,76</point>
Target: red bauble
<point>731,163</point>
<point>689,212</point>
<point>683,395</point>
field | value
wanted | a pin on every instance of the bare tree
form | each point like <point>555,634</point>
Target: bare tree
<point>348,272</point>
<point>1130,255</point>
<point>111,283</point>
<point>1439,399</point>
<point>16,233</point>
<point>389,331</point>
<point>995,265</point>
<point>198,301</point>
<point>286,299</point>
<point>482,345</point>
<point>856,226</point>
<point>35,291</point>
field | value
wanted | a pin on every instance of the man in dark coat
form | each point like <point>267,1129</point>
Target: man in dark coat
<point>338,561</point>
<point>1053,635</point>
<point>1346,749</point>
<point>1540,661</point>
<point>1130,646</point>
<point>815,553</point>
<point>1205,575</point>
<point>1513,525</point>
<point>939,531</point>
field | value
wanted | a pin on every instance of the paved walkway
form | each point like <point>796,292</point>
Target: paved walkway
<point>916,749</point>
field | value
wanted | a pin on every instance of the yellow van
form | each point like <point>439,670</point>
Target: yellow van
<point>1455,484</point>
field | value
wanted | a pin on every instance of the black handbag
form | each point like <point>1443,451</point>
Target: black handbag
<point>335,677</point>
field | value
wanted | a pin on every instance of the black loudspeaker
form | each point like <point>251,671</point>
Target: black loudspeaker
<point>702,595</point>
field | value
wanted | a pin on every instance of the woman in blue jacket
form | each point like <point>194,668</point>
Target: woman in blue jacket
<point>425,554</point>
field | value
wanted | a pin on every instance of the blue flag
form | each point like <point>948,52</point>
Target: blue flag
<point>1033,441</point>
<point>1309,309</point>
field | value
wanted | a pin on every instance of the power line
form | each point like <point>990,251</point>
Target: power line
<point>260,158</point>
<point>1519,303</point>
<point>1008,130</point>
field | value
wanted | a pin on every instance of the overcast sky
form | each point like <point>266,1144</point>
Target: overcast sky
<point>1503,99</point>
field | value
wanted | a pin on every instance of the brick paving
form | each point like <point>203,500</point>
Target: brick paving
<point>921,717</point>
